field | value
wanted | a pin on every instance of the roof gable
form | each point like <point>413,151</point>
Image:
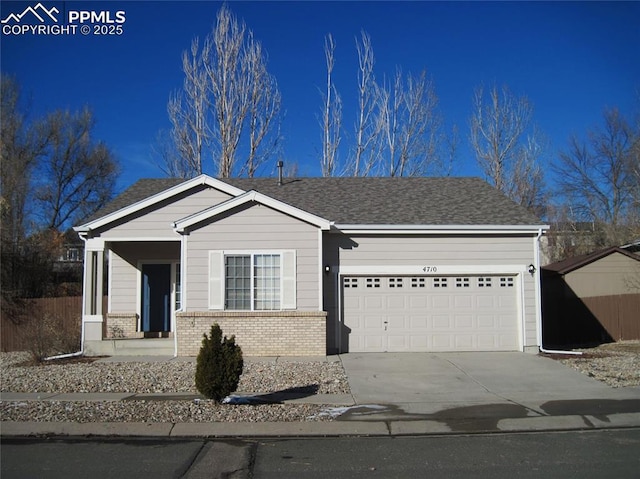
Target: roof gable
<point>148,192</point>
<point>249,197</point>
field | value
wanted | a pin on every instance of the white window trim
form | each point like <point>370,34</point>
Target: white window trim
<point>252,253</point>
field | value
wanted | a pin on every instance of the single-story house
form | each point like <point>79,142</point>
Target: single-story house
<point>591,298</point>
<point>313,266</point>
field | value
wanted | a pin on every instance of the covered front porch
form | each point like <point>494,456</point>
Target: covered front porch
<point>142,282</point>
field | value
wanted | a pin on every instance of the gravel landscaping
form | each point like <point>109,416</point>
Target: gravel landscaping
<point>616,364</point>
<point>83,376</point>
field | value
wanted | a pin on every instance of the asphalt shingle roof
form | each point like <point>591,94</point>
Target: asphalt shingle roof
<point>371,200</point>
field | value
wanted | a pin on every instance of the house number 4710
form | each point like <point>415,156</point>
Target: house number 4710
<point>430,269</point>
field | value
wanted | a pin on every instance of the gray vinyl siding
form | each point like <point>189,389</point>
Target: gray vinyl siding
<point>612,275</point>
<point>157,221</point>
<point>124,270</point>
<point>446,250</point>
<point>254,228</point>
<point>412,250</point>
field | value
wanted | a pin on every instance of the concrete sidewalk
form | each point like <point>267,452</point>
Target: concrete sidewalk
<point>400,394</point>
<point>315,429</point>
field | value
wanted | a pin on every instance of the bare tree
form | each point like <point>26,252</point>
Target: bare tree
<point>368,127</point>
<point>509,158</point>
<point>331,114</point>
<point>190,134</point>
<point>77,175</point>
<point>20,149</point>
<point>228,102</point>
<point>264,107</point>
<point>527,184</point>
<point>411,125</point>
<point>597,179</point>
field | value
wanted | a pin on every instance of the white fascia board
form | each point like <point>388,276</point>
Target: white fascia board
<point>146,239</point>
<point>437,229</point>
<point>158,197</point>
<point>250,196</point>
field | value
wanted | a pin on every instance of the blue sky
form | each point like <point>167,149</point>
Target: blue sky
<point>571,59</point>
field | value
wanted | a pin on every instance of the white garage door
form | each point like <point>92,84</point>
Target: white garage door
<point>428,313</point>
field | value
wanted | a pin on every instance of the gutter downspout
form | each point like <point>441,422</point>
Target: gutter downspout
<point>539,304</point>
<point>81,352</point>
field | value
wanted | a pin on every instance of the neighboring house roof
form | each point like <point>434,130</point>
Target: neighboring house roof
<point>367,201</point>
<point>571,264</point>
<point>633,247</point>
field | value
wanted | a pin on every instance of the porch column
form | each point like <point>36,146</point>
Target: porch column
<point>92,290</point>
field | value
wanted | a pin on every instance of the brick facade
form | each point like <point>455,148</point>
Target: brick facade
<point>263,333</point>
<point>122,326</point>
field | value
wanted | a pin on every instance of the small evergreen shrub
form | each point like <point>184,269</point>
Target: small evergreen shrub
<point>219,365</point>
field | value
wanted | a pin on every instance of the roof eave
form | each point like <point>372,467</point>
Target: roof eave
<point>484,229</point>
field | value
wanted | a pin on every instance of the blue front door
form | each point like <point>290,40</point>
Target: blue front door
<point>156,297</point>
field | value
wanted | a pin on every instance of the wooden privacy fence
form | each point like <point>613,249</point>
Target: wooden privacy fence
<point>619,315</point>
<point>68,309</point>
<point>573,321</point>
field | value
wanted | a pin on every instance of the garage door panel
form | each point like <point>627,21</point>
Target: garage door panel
<point>396,302</point>
<point>398,342</point>
<point>372,343</point>
<point>398,323</point>
<point>419,343</point>
<point>507,302</point>
<point>418,301</point>
<point>353,303</point>
<point>463,301</point>
<point>431,313</point>
<point>371,322</point>
<point>442,342</point>
<point>418,322</point>
<point>463,321</point>
<point>487,321</point>
<point>442,322</point>
<point>487,342</point>
<point>441,302</point>
<point>464,341</point>
<point>373,302</point>
<point>485,302</point>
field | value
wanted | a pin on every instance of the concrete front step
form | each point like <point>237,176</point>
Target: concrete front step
<point>130,347</point>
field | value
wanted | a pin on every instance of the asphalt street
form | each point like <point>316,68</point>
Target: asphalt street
<point>583,454</point>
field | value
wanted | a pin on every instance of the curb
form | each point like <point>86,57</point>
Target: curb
<point>315,429</point>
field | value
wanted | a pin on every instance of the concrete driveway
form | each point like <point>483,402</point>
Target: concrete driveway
<point>462,385</point>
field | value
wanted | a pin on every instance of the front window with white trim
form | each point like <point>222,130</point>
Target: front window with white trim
<point>252,281</point>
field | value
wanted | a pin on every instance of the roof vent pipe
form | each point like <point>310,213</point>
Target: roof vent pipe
<point>280,165</point>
